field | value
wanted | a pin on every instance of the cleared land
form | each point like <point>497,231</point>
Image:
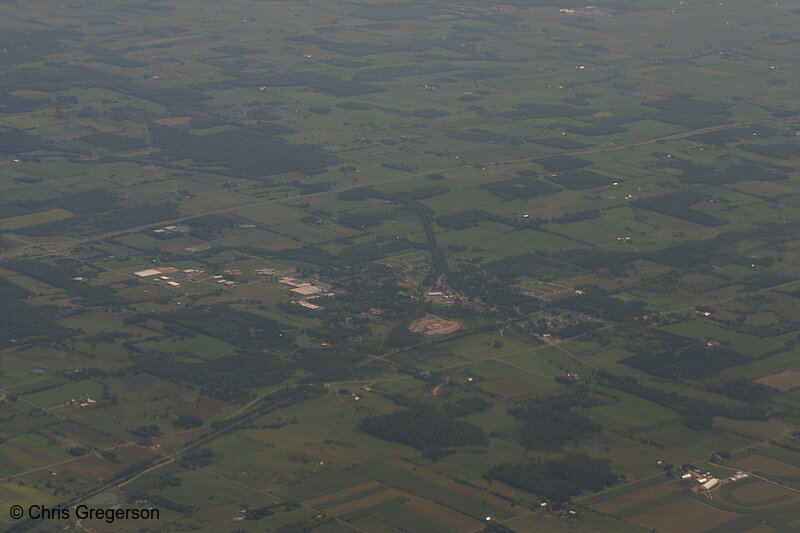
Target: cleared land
<point>784,381</point>
<point>433,325</point>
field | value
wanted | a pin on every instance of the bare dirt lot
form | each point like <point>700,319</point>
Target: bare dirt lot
<point>433,325</point>
<point>785,381</point>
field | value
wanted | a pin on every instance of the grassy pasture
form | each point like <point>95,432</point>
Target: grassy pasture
<point>750,346</point>
<point>684,516</point>
<point>463,502</point>
<point>43,217</point>
<point>633,410</point>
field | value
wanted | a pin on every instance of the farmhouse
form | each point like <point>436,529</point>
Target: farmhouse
<point>305,290</point>
<point>701,481</point>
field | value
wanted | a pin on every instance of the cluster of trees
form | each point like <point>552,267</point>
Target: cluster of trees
<point>14,142</point>
<point>61,274</point>
<point>83,203</point>
<point>333,364</point>
<point>777,150</point>
<point>112,141</point>
<point>556,480</point>
<point>579,180</point>
<point>407,200</point>
<point>519,188</point>
<point>697,414</point>
<point>424,429</point>
<point>187,421</point>
<point>598,303</point>
<point>723,137</point>
<point>105,221</point>
<point>496,527</point>
<point>745,390</point>
<point>245,151</point>
<point>208,226</point>
<point>239,328</point>
<point>465,406</point>
<point>547,424</point>
<point>686,111</point>
<point>227,378</point>
<point>11,103</point>
<point>367,286</point>
<point>494,294</point>
<point>696,361</point>
<point>692,172</point>
<point>20,322</point>
<point>471,217</point>
<point>678,205</point>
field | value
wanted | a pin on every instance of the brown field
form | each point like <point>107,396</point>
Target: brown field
<point>209,405</point>
<point>363,503</point>
<point>27,451</point>
<point>93,467</point>
<point>373,525</point>
<point>714,72</point>
<point>761,529</point>
<point>12,462</point>
<point>433,325</point>
<point>685,516</point>
<point>506,387</point>
<point>344,493</point>
<point>442,516</point>
<point>765,429</point>
<point>440,480</point>
<point>129,454</point>
<point>785,381</point>
<point>768,465</point>
<point>173,121</point>
<point>758,492</point>
<point>630,499</point>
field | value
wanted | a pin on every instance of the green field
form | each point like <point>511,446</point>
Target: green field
<point>21,221</point>
<point>632,410</point>
<point>408,264</point>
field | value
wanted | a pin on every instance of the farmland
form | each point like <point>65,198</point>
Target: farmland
<point>401,267</point>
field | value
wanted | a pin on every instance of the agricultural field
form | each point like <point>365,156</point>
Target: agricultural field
<point>401,266</point>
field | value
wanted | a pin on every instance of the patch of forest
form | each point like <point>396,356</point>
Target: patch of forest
<point>556,480</point>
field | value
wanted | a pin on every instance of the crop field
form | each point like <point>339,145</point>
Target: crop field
<point>767,465</point>
<point>687,516</point>
<point>783,381</point>
<point>399,266</point>
<point>633,410</point>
